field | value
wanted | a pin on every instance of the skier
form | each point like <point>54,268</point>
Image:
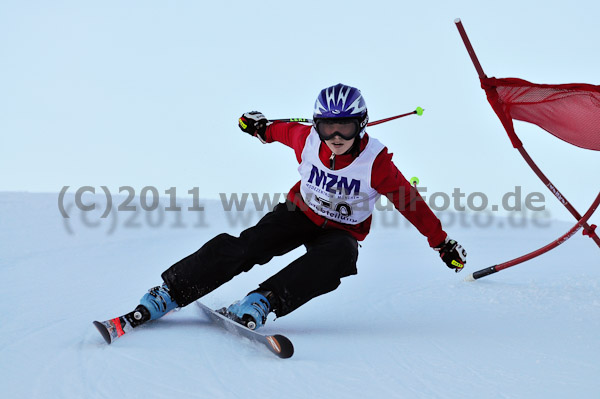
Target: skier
<point>343,171</point>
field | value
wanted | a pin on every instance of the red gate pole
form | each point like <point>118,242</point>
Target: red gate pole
<point>467,42</point>
<point>496,268</point>
<point>590,231</point>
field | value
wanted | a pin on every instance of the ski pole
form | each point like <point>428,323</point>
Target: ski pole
<point>299,120</point>
<point>418,111</point>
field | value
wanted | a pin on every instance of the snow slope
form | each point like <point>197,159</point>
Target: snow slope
<point>405,327</point>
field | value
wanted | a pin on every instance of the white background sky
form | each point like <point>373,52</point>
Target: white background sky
<point>144,93</point>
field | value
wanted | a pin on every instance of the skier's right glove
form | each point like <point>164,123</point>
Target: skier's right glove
<point>255,124</point>
<point>452,254</point>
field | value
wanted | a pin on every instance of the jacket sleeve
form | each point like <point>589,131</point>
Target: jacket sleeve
<point>389,181</point>
<point>292,135</point>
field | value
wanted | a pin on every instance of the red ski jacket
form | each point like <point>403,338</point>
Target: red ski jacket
<point>385,178</point>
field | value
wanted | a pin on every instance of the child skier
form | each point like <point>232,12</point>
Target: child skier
<point>343,171</point>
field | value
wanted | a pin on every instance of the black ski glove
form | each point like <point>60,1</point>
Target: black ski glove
<point>255,124</point>
<point>453,254</point>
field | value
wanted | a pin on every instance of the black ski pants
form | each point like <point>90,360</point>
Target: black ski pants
<point>330,255</point>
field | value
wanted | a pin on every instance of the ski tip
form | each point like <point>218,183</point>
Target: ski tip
<point>103,331</point>
<point>470,278</point>
<point>281,346</point>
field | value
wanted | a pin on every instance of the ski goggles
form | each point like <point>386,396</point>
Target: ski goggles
<point>347,129</point>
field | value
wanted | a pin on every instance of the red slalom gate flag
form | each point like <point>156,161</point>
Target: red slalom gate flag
<point>570,112</point>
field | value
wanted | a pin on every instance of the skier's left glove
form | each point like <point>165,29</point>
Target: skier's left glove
<point>453,254</point>
<point>255,124</point>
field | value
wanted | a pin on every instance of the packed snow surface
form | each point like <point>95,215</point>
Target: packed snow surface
<point>404,327</point>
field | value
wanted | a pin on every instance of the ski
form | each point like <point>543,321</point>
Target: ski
<point>115,328</point>
<point>278,344</point>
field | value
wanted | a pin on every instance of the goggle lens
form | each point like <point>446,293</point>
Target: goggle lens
<point>346,129</point>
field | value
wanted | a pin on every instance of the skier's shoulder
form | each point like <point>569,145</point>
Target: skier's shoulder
<point>292,134</point>
<point>385,175</point>
<point>380,149</point>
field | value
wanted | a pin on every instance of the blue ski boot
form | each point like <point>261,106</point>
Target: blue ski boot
<point>251,311</point>
<point>158,301</point>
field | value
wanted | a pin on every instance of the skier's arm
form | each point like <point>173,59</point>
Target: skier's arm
<point>292,135</point>
<point>389,181</point>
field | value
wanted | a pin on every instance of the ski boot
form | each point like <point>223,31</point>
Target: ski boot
<point>155,304</point>
<point>251,311</point>
<point>158,301</point>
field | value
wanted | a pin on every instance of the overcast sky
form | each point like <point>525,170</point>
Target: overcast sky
<point>147,93</point>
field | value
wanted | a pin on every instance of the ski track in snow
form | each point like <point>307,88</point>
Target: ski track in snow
<point>404,327</point>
